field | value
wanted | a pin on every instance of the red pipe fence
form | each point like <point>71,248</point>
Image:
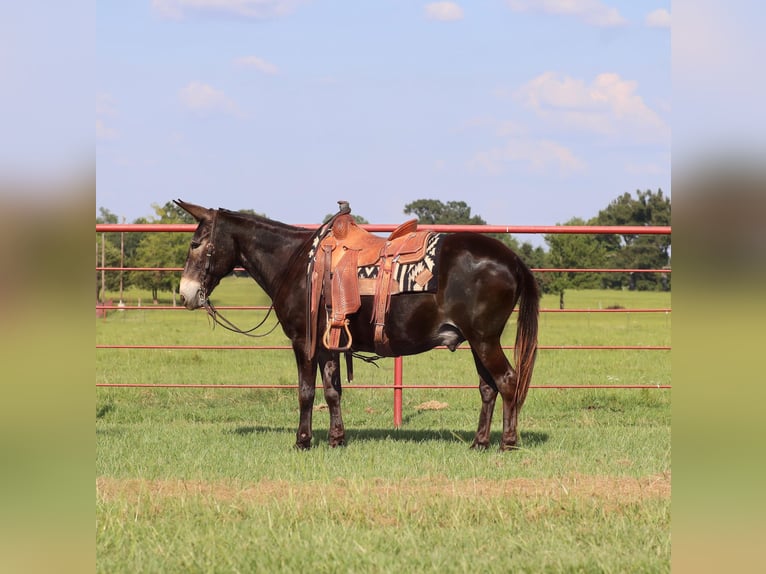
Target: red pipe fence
<point>398,385</point>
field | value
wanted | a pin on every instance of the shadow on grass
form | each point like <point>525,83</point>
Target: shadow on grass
<point>104,410</point>
<point>529,439</point>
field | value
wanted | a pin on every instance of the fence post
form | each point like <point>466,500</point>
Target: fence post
<point>397,392</point>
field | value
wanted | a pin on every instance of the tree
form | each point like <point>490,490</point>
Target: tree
<point>171,213</point>
<point>536,258</point>
<point>106,216</point>
<point>119,248</point>
<point>162,250</point>
<point>632,251</point>
<point>108,245</point>
<point>574,251</point>
<point>433,211</point>
<point>357,218</point>
<point>111,258</point>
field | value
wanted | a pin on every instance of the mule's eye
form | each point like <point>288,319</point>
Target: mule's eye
<point>195,244</point>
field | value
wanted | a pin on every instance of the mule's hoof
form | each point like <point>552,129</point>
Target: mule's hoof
<point>302,445</point>
<point>479,446</point>
<point>508,447</point>
<point>337,443</point>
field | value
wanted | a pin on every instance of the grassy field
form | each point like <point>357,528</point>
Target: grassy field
<point>206,480</point>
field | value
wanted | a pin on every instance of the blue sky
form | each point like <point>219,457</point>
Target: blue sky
<point>531,111</point>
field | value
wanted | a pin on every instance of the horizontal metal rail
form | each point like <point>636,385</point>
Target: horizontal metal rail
<point>289,348</point>
<point>353,386</point>
<point>398,385</point>
<point>441,228</point>
<point>112,307</point>
<point>534,270</point>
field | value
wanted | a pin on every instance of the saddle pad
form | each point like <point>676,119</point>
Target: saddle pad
<point>415,276</point>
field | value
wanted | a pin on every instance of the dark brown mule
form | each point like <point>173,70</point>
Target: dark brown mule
<point>479,281</point>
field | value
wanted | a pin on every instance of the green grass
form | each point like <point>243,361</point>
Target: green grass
<point>205,480</point>
<point>350,527</point>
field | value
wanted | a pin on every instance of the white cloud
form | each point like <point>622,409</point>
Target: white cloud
<point>444,11</point>
<point>258,63</point>
<point>201,97</point>
<point>659,18</point>
<point>591,12</point>
<point>242,8</point>
<point>535,155</point>
<point>608,105</point>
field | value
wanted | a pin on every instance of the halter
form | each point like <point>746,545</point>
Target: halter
<point>203,299</point>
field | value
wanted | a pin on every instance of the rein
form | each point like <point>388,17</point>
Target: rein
<point>311,242</point>
<point>216,315</point>
<point>228,325</point>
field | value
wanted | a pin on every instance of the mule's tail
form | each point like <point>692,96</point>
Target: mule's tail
<point>525,351</point>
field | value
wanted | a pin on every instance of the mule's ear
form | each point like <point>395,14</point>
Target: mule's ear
<point>197,212</point>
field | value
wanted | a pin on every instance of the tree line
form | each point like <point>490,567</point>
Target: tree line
<point>565,251</point>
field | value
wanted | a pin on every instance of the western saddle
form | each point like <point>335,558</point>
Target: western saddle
<point>343,249</point>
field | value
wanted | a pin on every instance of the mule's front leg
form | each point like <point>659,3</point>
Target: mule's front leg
<point>307,371</point>
<point>330,365</point>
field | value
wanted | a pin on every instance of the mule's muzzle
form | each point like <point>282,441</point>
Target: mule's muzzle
<point>192,295</point>
<point>196,302</point>
<point>189,303</point>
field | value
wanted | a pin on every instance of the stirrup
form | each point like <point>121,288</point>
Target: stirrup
<point>326,338</point>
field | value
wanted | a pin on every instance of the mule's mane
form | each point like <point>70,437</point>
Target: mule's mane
<point>298,240</point>
<point>258,219</point>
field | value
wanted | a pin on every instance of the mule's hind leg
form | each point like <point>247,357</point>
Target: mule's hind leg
<point>510,419</point>
<point>493,365</point>
<point>330,365</point>
<point>488,396</point>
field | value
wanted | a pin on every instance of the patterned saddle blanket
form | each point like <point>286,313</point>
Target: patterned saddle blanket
<point>348,262</point>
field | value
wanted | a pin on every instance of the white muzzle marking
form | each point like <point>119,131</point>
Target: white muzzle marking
<point>190,290</point>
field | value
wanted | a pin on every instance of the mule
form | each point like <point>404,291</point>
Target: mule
<point>478,285</point>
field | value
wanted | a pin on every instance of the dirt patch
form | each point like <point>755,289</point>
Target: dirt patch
<point>610,488</point>
<point>432,406</point>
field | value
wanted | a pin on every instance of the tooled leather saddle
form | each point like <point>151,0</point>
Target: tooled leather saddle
<point>343,250</point>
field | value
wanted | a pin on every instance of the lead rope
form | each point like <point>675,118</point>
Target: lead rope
<point>219,319</point>
<point>226,324</point>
